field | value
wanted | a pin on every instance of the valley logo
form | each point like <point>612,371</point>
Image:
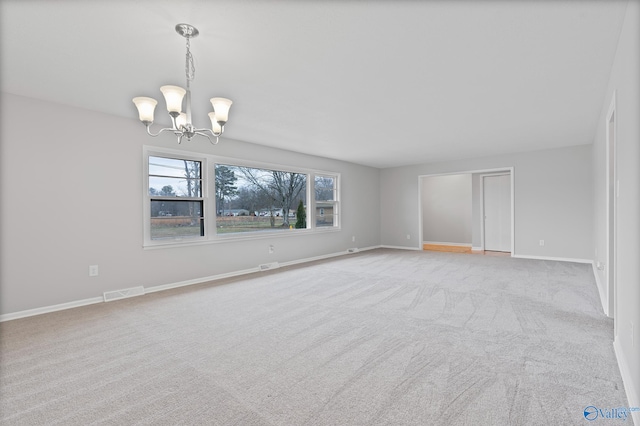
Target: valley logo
<point>621,413</point>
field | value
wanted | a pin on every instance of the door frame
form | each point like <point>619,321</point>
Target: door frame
<point>482,218</point>
<point>499,170</point>
<point>612,211</point>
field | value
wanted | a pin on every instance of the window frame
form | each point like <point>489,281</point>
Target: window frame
<point>208,197</point>
<point>147,197</point>
<point>335,202</point>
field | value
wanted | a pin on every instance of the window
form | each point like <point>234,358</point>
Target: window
<point>199,198</point>
<point>250,199</point>
<point>326,200</point>
<point>175,202</point>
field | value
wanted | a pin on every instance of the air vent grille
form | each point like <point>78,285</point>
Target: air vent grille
<point>123,294</point>
<point>267,266</point>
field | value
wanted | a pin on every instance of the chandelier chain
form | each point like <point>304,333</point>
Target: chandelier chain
<point>190,69</point>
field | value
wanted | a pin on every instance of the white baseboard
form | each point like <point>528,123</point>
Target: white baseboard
<point>477,248</point>
<point>326,256</point>
<point>633,396</point>
<point>400,247</point>
<point>245,271</point>
<point>94,300</point>
<point>557,259</point>
<point>200,280</point>
<point>447,244</point>
<point>52,308</point>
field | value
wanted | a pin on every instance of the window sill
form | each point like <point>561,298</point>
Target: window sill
<point>235,238</point>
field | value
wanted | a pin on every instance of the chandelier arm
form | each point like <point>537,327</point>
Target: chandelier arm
<point>148,126</point>
<point>209,131</point>
<point>205,133</point>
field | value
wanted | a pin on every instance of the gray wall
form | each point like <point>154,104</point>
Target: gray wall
<point>624,82</point>
<point>553,200</point>
<point>446,209</point>
<point>71,199</point>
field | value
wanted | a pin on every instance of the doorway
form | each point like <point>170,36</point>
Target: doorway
<point>474,201</point>
<point>496,202</point>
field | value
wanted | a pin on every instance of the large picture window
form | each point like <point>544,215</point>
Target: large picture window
<point>250,199</point>
<point>196,197</point>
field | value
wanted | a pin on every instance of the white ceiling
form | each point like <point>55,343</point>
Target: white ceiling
<point>380,83</point>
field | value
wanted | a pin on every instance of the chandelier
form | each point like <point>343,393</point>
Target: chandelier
<point>182,126</point>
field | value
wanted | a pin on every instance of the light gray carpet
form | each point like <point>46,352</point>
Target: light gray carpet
<point>378,338</point>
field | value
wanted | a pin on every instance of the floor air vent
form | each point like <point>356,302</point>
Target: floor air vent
<point>123,294</point>
<point>267,266</point>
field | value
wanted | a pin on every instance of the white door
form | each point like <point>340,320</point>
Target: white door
<point>497,212</point>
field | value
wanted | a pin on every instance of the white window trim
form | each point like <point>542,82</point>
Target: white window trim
<point>208,196</point>
<point>335,201</point>
<point>146,198</point>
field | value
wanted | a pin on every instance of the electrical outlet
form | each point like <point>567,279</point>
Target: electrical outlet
<point>408,236</point>
<point>541,243</point>
<point>271,249</point>
<point>353,239</point>
<point>93,270</point>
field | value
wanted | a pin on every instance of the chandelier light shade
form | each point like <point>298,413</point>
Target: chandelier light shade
<point>174,96</point>
<point>221,107</point>
<point>145,106</point>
